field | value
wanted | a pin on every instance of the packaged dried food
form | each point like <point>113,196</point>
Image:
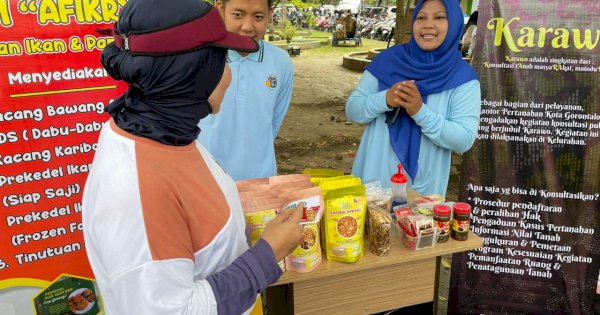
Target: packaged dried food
<point>380,229</point>
<point>253,187</point>
<point>280,179</point>
<point>328,184</point>
<point>317,180</point>
<point>258,194</point>
<point>344,221</point>
<point>378,196</point>
<point>258,213</point>
<point>313,203</point>
<point>251,182</point>
<point>322,172</point>
<point>291,186</point>
<point>307,256</point>
<point>317,174</point>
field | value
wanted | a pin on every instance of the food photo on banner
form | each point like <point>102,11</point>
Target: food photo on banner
<point>533,175</point>
<point>53,94</point>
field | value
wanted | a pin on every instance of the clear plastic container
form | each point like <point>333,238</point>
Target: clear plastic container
<point>419,242</point>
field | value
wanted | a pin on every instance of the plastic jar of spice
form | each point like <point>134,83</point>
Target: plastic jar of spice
<point>441,218</point>
<point>461,221</point>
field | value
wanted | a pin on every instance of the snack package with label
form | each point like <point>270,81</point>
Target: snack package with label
<point>307,256</point>
<point>346,181</point>
<point>253,187</point>
<point>319,180</point>
<point>252,182</point>
<point>258,194</point>
<point>317,174</point>
<point>333,183</point>
<point>291,186</point>
<point>313,203</point>
<point>344,221</point>
<point>258,214</point>
<point>290,178</point>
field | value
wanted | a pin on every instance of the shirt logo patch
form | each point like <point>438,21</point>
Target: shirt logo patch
<point>271,82</point>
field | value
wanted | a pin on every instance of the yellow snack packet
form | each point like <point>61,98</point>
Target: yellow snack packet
<point>328,185</point>
<point>344,221</point>
<point>258,214</point>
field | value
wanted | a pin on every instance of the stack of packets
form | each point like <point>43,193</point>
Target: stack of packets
<point>344,216</point>
<point>334,218</point>
<point>379,203</point>
<point>264,198</point>
<point>417,228</point>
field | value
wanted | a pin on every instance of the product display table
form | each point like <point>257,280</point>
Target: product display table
<point>403,277</point>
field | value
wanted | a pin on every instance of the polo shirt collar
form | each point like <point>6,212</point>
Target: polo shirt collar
<point>257,56</point>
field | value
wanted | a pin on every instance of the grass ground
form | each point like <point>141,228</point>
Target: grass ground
<point>367,44</point>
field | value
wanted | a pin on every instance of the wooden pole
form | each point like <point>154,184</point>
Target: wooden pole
<point>401,17</point>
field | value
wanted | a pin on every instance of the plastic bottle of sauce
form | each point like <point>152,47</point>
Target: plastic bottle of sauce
<point>399,182</point>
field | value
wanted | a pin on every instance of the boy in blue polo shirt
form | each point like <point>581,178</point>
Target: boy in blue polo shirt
<point>241,137</point>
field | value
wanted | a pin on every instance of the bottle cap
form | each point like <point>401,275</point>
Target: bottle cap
<point>442,210</point>
<point>399,177</point>
<point>462,208</point>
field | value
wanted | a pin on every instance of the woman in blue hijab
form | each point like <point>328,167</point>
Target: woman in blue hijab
<point>421,101</point>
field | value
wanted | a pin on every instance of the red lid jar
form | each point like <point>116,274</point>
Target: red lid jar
<point>461,221</point>
<point>462,208</point>
<point>441,217</point>
<point>441,210</point>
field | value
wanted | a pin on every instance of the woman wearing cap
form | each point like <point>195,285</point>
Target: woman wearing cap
<point>163,225</point>
<point>421,102</point>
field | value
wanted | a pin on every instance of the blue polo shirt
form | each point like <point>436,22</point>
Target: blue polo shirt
<point>241,135</point>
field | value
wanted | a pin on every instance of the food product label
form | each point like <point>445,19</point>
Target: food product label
<point>460,226</point>
<point>308,254</point>
<point>345,219</point>
<point>443,227</point>
<point>257,222</point>
<point>312,209</point>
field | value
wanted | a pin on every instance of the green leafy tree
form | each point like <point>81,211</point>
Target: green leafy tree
<point>300,4</point>
<point>311,20</point>
<point>287,31</point>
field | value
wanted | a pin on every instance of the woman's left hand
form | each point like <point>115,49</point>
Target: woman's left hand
<point>409,97</point>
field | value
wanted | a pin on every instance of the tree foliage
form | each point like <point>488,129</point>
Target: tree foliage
<point>311,21</point>
<point>287,30</point>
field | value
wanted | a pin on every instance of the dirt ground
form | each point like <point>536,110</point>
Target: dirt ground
<point>315,132</point>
